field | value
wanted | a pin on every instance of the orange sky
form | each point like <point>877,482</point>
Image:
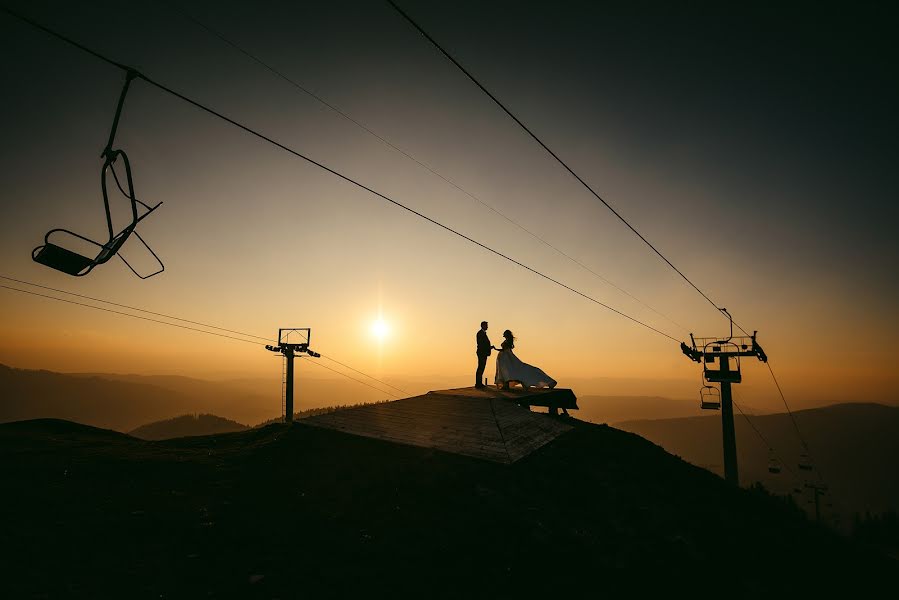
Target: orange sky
<point>254,240</point>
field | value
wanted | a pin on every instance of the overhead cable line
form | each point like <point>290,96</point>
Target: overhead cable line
<point>150,312</point>
<point>334,172</point>
<point>317,364</point>
<point>361,373</point>
<point>117,312</point>
<point>766,442</point>
<point>587,186</point>
<point>338,111</point>
<point>793,420</point>
<point>194,329</point>
<point>174,318</point>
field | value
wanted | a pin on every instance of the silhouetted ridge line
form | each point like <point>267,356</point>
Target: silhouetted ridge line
<point>420,163</point>
<point>125,314</point>
<point>547,148</point>
<point>342,176</point>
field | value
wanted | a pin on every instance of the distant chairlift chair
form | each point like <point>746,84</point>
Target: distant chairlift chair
<point>73,263</point>
<point>774,466</point>
<point>709,398</point>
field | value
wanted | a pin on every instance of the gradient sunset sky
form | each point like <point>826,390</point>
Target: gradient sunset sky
<point>755,147</point>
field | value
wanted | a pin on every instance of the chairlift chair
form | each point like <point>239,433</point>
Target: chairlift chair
<point>709,398</point>
<point>70,262</point>
<point>773,464</point>
<point>805,463</point>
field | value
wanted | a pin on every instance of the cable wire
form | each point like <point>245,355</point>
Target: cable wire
<point>587,186</point>
<point>409,156</point>
<point>172,317</point>
<point>117,312</point>
<point>793,420</point>
<point>149,312</point>
<point>318,364</point>
<point>124,314</point>
<point>765,441</point>
<point>364,374</point>
<point>334,172</point>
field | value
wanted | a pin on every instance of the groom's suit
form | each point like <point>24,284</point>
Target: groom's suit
<point>484,348</point>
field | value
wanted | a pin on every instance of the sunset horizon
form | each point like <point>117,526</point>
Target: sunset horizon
<point>658,214</point>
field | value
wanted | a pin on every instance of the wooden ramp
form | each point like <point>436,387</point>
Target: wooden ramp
<point>483,423</point>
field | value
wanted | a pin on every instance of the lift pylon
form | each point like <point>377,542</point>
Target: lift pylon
<point>721,364</point>
<point>291,341</point>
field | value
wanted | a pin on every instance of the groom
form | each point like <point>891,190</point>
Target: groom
<point>483,352</point>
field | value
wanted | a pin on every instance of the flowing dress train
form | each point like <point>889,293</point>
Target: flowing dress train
<point>510,368</point>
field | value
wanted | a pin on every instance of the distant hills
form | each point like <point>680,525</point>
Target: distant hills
<point>613,409</point>
<point>206,424</point>
<point>124,402</point>
<point>186,426</point>
<point>284,510</point>
<point>854,445</point>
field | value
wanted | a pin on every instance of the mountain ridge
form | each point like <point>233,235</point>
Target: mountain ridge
<point>258,512</point>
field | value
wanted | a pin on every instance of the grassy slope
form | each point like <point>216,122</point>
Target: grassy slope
<point>96,513</point>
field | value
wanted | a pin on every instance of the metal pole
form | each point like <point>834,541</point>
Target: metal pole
<point>288,404</point>
<point>729,438</point>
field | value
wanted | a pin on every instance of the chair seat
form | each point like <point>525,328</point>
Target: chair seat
<point>63,260</point>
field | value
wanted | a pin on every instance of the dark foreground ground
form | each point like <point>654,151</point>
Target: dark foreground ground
<point>285,512</point>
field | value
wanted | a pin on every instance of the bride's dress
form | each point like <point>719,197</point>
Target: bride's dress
<point>510,368</point>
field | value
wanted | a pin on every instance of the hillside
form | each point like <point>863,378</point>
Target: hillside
<point>186,426</point>
<point>855,446</point>
<point>287,511</point>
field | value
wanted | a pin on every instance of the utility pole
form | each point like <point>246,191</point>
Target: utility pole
<point>289,349</point>
<point>726,352</point>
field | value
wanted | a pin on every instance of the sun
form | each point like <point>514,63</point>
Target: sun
<point>380,329</point>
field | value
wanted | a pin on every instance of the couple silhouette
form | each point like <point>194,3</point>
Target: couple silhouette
<point>509,368</point>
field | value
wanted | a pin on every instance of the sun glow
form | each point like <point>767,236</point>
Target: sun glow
<point>380,329</point>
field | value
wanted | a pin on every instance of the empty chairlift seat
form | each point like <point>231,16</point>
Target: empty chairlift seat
<point>709,398</point>
<point>57,256</point>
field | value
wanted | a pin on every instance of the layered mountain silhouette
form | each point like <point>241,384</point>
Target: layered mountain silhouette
<point>124,402</point>
<point>854,445</point>
<point>287,511</point>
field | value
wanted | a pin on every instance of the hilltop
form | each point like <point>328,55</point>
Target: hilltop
<point>186,426</point>
<point>282,511</point>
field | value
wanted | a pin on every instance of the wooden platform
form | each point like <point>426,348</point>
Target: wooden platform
<point>483,423</point>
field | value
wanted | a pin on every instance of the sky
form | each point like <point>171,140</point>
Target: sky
<point>753,145</point>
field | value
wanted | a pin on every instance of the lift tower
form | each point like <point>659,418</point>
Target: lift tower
<point>727,354</point>
<point>291,341</point>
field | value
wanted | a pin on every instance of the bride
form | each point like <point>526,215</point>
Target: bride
<point>509,368</point>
